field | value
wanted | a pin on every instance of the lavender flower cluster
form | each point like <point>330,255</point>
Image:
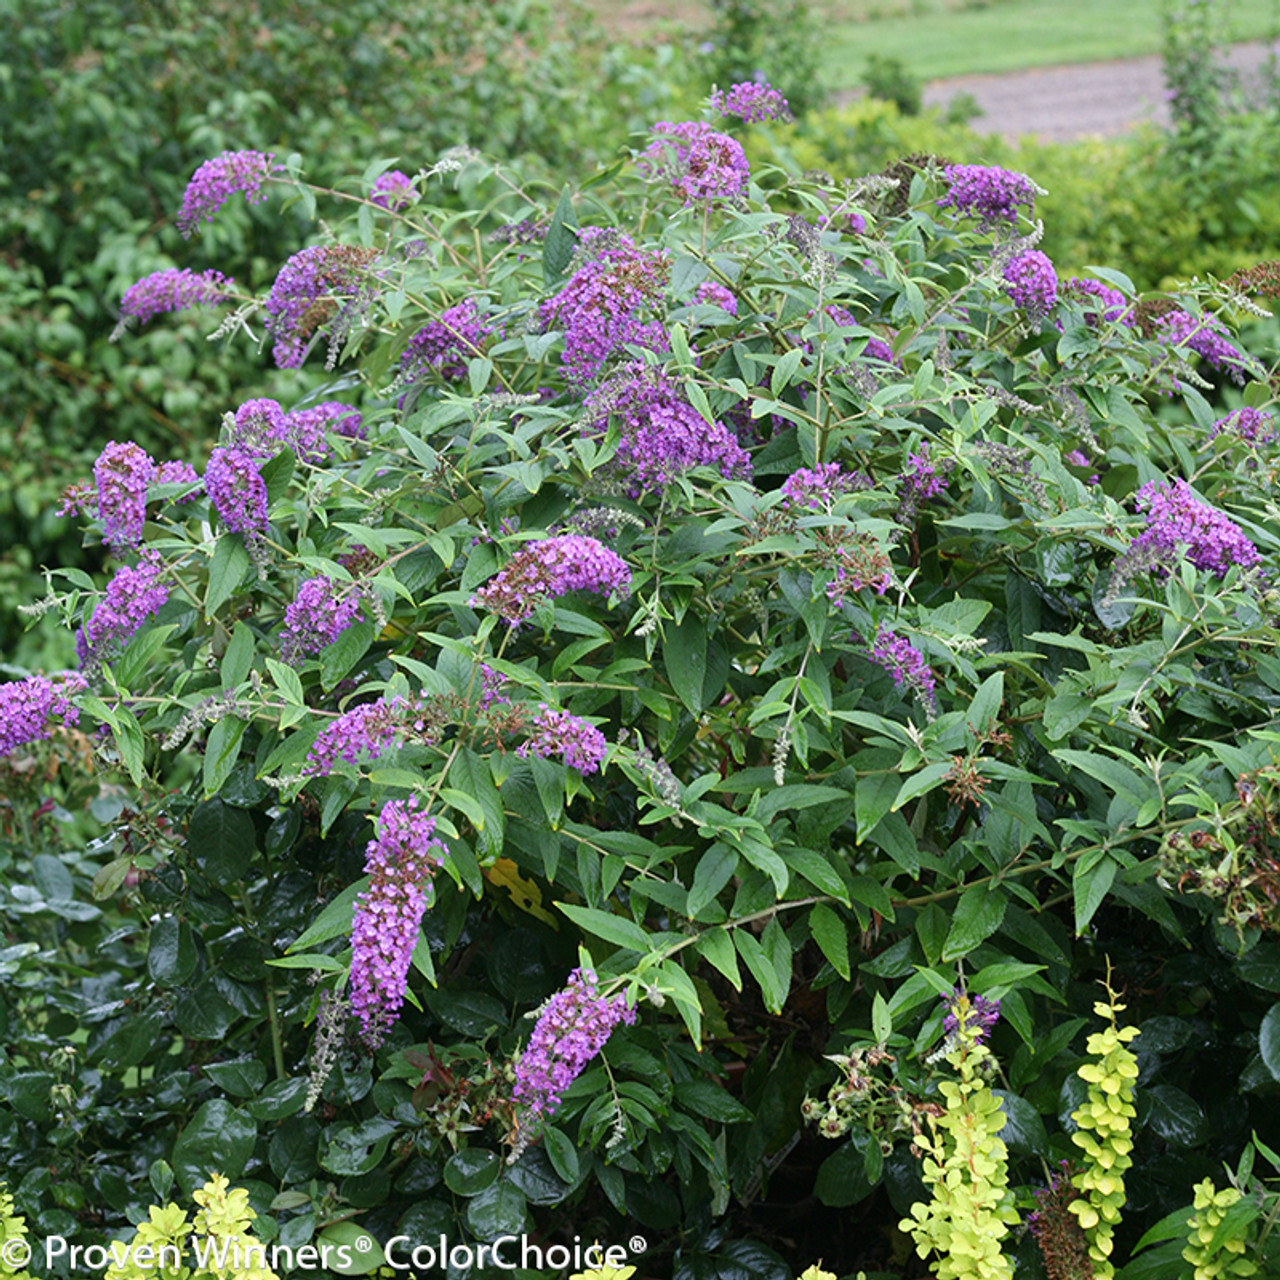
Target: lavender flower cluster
<point>1032,283</point>
<point>602,305</point>
<point>217,180</point>
<point>315,286</point>
<point>134,594</point>
<point>1110,304</point>
<point>751,100</point>
<point>400,864</point>
<point>173,289</point>
<point>1177,518</point>
<point>550,568</point>
<point>261,428</point>
<point>712,293</point>
<point>816,488</point>
<point>921,479</point>
<point>702,166</point>
<point>445,345</point>
<point>989,193</point>
<point>237,491</point>
<point>316,618</point>
<point>969,1018</point>
<point>28,708</point>
<point>662,434</point>
<point>122,473</point>
<point>572,1028</point>
<point>367,730</point>
<point>1206,336</point>
<point>1249,425</point>
<point>907,665</point>
<point>393,190</point>
<point>557,733</point>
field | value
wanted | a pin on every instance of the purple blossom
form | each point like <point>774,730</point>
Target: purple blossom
<point>178,472</point>
<point>307,428</point>
<point>921,480</point>
<point>445,345</point>
<point>819,487</point>
<point>1250,425</point>
<point>969,1018</point>
<point>701,164</point>
<point>217,180</point>
<point>27,708</point>
<point>400,864</point>
<point>260,428</point>
<point>557,733</point>
<point>237,491</point>
<point>875,349</point>
<point>122,474</point>
<point>848,221</point>
<point>1102,298</point>
<point>492,684</point>
<point>133,595</point>
<point>751,101</point>
<point>548,569</point>
<point>603,304</point>
<point>315,618</point>
<point>662,434</point>
<point>989,193</point>
<point>324,284</point>
<point>1032,283</point>
<point>1177,518</point>
<point>173,289</point>
<point>1205,335</point>
<point>712,293</point>
<point>393,190</point>
<point>571,1029</point>
<point>907,665</point>
<point>369,729</point>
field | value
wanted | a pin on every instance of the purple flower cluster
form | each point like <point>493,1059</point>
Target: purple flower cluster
<point>1247,424</point>
<point>492,684</point>
<point>921,480</point>
<point>1111,304</point>
<point>217,180</point>
<point>548,569</point>
<point>712,293</point>
<point>662,434</point>
<point>571,1029</point>
<point>907,665</point>
<point>988,192</point>
<point>819,487</point>
<point>602,305</point>
<point>133,595</point>
<point>237,491</point>
<point>751,100</point>
<point>178,472</point>
<point>122,473</point>
<point>876,348</point>
<point>1205,336</point>
<point>393,190</point>
<point>701,164</point>
<point>1032,283</point>
<point>173,289</point>
<point>261,428</point>
<point>849,222</point>
<point>557,733</point>
<point>1176,518</point>
<point>446,345</point>
<point>400,864</point>
<point>28,706</point>
<point>313,287</point>
<point>969,1018</point>
<point>316,618</point>
<point>368,730</point>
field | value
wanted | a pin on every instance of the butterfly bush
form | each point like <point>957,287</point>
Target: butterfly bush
<point>550,568</point>
<point>122,474</point>
<point>133,595</point>
<point>1032,283</point>
<point>237,490</point>
<point>393,190</point>
<point>992,195</point>
<point>702,165</point>
<point>29,708</point>
<point>316,618</point>
<point>557,733</point>
<point>751,100</point>
<point>173,289</point>
<point>217,180</point>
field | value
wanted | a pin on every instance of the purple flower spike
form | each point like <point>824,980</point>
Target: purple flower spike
<point>217,180</point>
<point>1176,517</point>
<point>989,193</point>
<point>703,166</point>
<point>323,284</point>
<point>260,428</point>
<point>447,344</point>
<point>969,1018</point>
<point>122,473</point>
<point>27,708</point>
<point>815,488</point>
<point>237,491</point>
<point>1032,283</point>
<point>557,733</point>
<point>548,569</point>
<point>907,665</point>
<point>400,863</point>
<point>571,1029</point>
<point>133,595</point>
<point>173,289</point>
<point>316,619</point>
<point>368,730</point>
<point>393,191</point>
<point>1249,425</point>
<point>751,101</point>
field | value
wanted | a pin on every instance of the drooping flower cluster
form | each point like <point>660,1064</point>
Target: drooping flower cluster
<point>173,289</point>
<point>1177,518</point>
<point>751,100</point>
<point>662,434</point>
<point>492,684</point>
<point>400,864</point>
<point>28,708</point>
<point>316,618</point>
<point>323,284</point>
<point>1250,425</point>
<point>557,733</point>
<point>907,665</point>
<point>571,1029</point>
<point>393,190</point>
<point>1101,298</point>
<point>1031,282</point>
<point>261,428</point>
<point>816,488</point>
<point>1205,335</point>
<point>712,293</point>
<point>237,491</point>
<point>217,180</point>
<point>367,730</point>
<point>122,473</point>
<point>989,193</point>
<point>446,345</point>
<point>550,568</point>
<point>701,164</point>
<point>603,304</point>
<point>133,595</point>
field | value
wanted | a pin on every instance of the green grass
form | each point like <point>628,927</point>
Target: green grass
<point>934,39</point>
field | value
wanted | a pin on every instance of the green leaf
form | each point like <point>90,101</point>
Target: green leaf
<point>832,937</point>
<point>1176,1117</point>
<point>226,571</point>
<point>242,1078</point>
<point>562,1154</point>
<point>474,1013</point>
<point>1089,884</point>
<point>220,841</point>
<point>130,742</point>
<point>217,1139</point>
<point>924,780</point>
<point>337,659</point>
<point>684,655</point>
<point>221,752</point>
<point>171,952</point>
<point>715,868</point>
<point>1269,1041</point>
<point>1114,775</point>
<point>763,969</point>
<point>352,1250</point>
<point>717,946</point>
<point>881,1019</point>
<point>560,241</point>
<point>977,916</point>
<point>1024,1130</point>
<point>498,1211</point>
<point>238,657</point>
<point>473,776</point>
<point>279,1100</point>
<point>708,1100</point>
<point>472,1170</point>
<point>873,798</point>
<point>603,924</point>
<point>333,921</point>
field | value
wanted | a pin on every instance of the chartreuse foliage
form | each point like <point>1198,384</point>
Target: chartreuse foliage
<point>924,645</point>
